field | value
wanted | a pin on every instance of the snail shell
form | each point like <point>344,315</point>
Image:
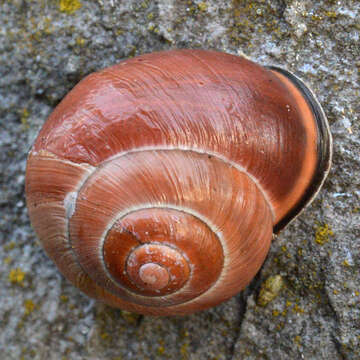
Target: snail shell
<point>156,184</point>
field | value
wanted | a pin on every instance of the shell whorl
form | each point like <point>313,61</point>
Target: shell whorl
<point>199,227</point>
<point>146,185</point>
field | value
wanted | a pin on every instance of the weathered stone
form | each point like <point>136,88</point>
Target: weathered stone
<point>46,47</point>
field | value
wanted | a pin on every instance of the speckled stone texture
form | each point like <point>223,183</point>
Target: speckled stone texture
<point>305,302</point>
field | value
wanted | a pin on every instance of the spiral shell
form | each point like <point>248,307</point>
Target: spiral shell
<point>156,184</point>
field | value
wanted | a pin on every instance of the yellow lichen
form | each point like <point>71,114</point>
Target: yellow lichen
<point>64,298</point>
<point>191,10</point>
<point>129,317</point>
<point>202,6</point>
<point>331,14</point>
<point>184,350</point>
<point>29,306</point>
<point>161,350</point>
<point>105,336</point>
<point>297,309</point>
<point>69,6</point>
<point>11,245</point>
<point>185,333</point>
<point>80,41</point>
<point>316,17</point>
<point>24,118</point>
<point>17,276</point>
<point>346,263</point>
<point>237,12</point>
<point>133,48</point>
<point>48,27</point>
<point>270,289</point>
<point>322,234</point>
<point>7,260</point>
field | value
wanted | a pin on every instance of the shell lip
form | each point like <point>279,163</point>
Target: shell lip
<point>324,148</point>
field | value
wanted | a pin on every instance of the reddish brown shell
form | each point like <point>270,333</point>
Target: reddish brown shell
<point>156,184</point>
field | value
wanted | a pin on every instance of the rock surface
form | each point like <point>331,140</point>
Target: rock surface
<point>312,272</point>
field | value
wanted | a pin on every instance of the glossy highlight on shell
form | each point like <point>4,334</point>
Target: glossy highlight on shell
<point>156,184</point>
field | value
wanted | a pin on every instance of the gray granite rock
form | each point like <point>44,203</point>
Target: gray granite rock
<point>305,302</point>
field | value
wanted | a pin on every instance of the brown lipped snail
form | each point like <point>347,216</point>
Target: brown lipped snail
<point>157,184</point>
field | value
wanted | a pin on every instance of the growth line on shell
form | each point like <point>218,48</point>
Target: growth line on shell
<point>201,152</point>
<point>224,159</point>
